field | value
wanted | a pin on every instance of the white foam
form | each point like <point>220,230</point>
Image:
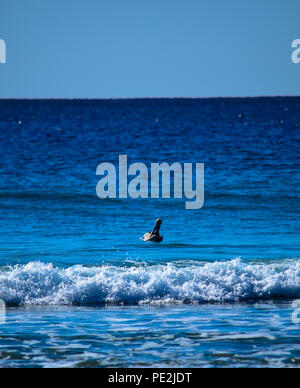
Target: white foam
<point>43,284</point>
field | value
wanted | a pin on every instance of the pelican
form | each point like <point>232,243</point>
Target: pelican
<point>154,236</point>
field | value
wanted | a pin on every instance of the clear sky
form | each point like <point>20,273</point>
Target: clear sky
<point>144,48</point>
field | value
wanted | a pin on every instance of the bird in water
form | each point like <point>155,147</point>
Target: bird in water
<point>154,236</point>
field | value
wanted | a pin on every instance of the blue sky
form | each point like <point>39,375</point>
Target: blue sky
<point>138,48</point>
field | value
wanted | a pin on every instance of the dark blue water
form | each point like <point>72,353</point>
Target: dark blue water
<point>69,259</point>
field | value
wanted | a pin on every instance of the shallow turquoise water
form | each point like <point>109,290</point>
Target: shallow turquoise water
<point>243,335</point>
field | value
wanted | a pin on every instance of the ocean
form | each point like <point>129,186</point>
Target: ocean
<point>82,289</point>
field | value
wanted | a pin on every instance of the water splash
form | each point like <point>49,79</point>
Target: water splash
<point>233,281</point>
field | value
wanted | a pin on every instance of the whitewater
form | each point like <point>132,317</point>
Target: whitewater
<point>38,283</point>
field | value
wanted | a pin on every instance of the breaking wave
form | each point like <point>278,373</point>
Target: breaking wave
<point>234,281</point>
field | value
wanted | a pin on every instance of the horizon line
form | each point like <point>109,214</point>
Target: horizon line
<point>153,97</point>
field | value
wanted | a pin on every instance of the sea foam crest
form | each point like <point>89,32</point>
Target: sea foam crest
<point>43,284</point>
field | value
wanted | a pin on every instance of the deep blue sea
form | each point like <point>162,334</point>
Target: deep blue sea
<point>81,287</point>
